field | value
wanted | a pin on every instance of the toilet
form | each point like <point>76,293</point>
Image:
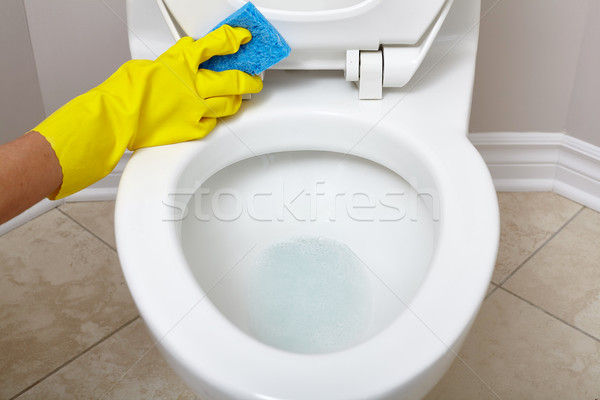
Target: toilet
<point>334,239</point>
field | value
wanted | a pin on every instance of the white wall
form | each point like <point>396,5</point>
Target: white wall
<point>583,119</point>
<point>21,105</point>
<point>535,68</point>
<point>77,45</point>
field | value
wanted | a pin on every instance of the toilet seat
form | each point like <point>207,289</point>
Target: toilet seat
<point>419,132</point>
<point>321,24</point>
<point>359,38</point>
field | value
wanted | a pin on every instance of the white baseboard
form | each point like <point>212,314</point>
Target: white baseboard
<point>518,161</point>
<point>523,162</point>
<point>29,214</point>
<point>542,162</point>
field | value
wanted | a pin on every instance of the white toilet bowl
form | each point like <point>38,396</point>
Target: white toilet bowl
<point>391,186</point>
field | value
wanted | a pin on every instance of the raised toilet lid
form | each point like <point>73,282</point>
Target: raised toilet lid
<point>321,31</point>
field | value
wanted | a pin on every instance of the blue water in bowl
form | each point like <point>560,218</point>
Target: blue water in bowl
<point>309,294</point>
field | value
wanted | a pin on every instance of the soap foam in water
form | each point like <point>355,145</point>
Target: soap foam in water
<point>309,294</point>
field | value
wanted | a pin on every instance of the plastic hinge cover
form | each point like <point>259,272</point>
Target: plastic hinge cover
<point>398,63</point>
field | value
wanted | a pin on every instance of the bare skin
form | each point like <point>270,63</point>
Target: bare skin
<point>30,172</point>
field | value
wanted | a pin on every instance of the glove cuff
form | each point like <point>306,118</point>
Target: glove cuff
<point>87,139</point>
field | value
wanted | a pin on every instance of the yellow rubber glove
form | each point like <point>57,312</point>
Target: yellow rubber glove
<point>146,103</point>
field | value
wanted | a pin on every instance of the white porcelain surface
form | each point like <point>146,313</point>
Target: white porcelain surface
<point>417,134</point>
<point>320,32</point>
<point>333,27</point>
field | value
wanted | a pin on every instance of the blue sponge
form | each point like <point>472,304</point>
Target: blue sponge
<point>266,48</point>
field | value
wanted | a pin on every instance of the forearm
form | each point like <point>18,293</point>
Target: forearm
<point>29,172</point>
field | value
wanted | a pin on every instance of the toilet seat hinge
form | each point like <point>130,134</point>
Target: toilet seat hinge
<point>365,68</point>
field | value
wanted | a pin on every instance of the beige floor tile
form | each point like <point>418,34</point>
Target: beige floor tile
<point>461,383</point>
<point>114,370</point>
<point>97,216</point>
<point>520,352</point>
<point>564,277</point>
<point>527,220</point>
<point>61,290</point>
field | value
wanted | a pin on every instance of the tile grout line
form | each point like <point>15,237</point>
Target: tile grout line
<point>552,315</point>
<point>492,291</point>
<point>501,284</point>
<point>94,345</point>
<point>157,341</point>
<point>86,229</point>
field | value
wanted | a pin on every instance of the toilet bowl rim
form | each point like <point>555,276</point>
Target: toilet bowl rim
<point>462,153</point>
